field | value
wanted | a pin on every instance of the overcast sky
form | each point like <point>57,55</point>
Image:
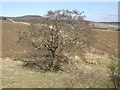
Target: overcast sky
<point>94,11</point>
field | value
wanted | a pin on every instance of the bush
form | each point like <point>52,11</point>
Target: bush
<point>83,76</point>
<point>114,73</point>
<point>118,29</point>
<point>44,63</point>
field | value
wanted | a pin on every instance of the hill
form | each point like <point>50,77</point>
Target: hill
<point>105,26</point>
<point>25,18</point>
<point>113,23</point>
<point>107,41</point>
<point>98,25</point>
<point>10,36</point>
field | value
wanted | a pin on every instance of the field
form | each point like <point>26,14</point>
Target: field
<point>94,71</point>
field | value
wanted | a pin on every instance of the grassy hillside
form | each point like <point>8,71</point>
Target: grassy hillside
<point>107,41</point>
<point>10,36</point>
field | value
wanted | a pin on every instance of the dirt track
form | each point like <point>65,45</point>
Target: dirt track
<point>19,22</point>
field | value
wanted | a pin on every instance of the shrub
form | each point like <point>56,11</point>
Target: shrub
<point>114,73</point>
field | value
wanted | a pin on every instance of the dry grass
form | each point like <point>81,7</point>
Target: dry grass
<point>107,41</point>
<point>10,36</point>
<point>87,76</point>
<point>16,76</point>
<point>76,75</point>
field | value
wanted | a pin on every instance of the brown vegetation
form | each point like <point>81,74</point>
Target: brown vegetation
<point>107,42</point>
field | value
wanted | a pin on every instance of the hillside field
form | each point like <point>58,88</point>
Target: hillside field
<point>107,41</point>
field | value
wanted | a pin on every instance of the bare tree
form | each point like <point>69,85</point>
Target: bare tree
<point>63,31</point>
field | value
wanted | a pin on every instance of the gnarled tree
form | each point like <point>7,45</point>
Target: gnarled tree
<point>62,32</point>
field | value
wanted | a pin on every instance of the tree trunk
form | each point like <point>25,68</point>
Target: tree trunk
<point>53,61</point>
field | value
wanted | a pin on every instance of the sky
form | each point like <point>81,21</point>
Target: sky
<point>94,11</point>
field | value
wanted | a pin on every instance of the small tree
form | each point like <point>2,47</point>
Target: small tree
<point>63,31</point>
